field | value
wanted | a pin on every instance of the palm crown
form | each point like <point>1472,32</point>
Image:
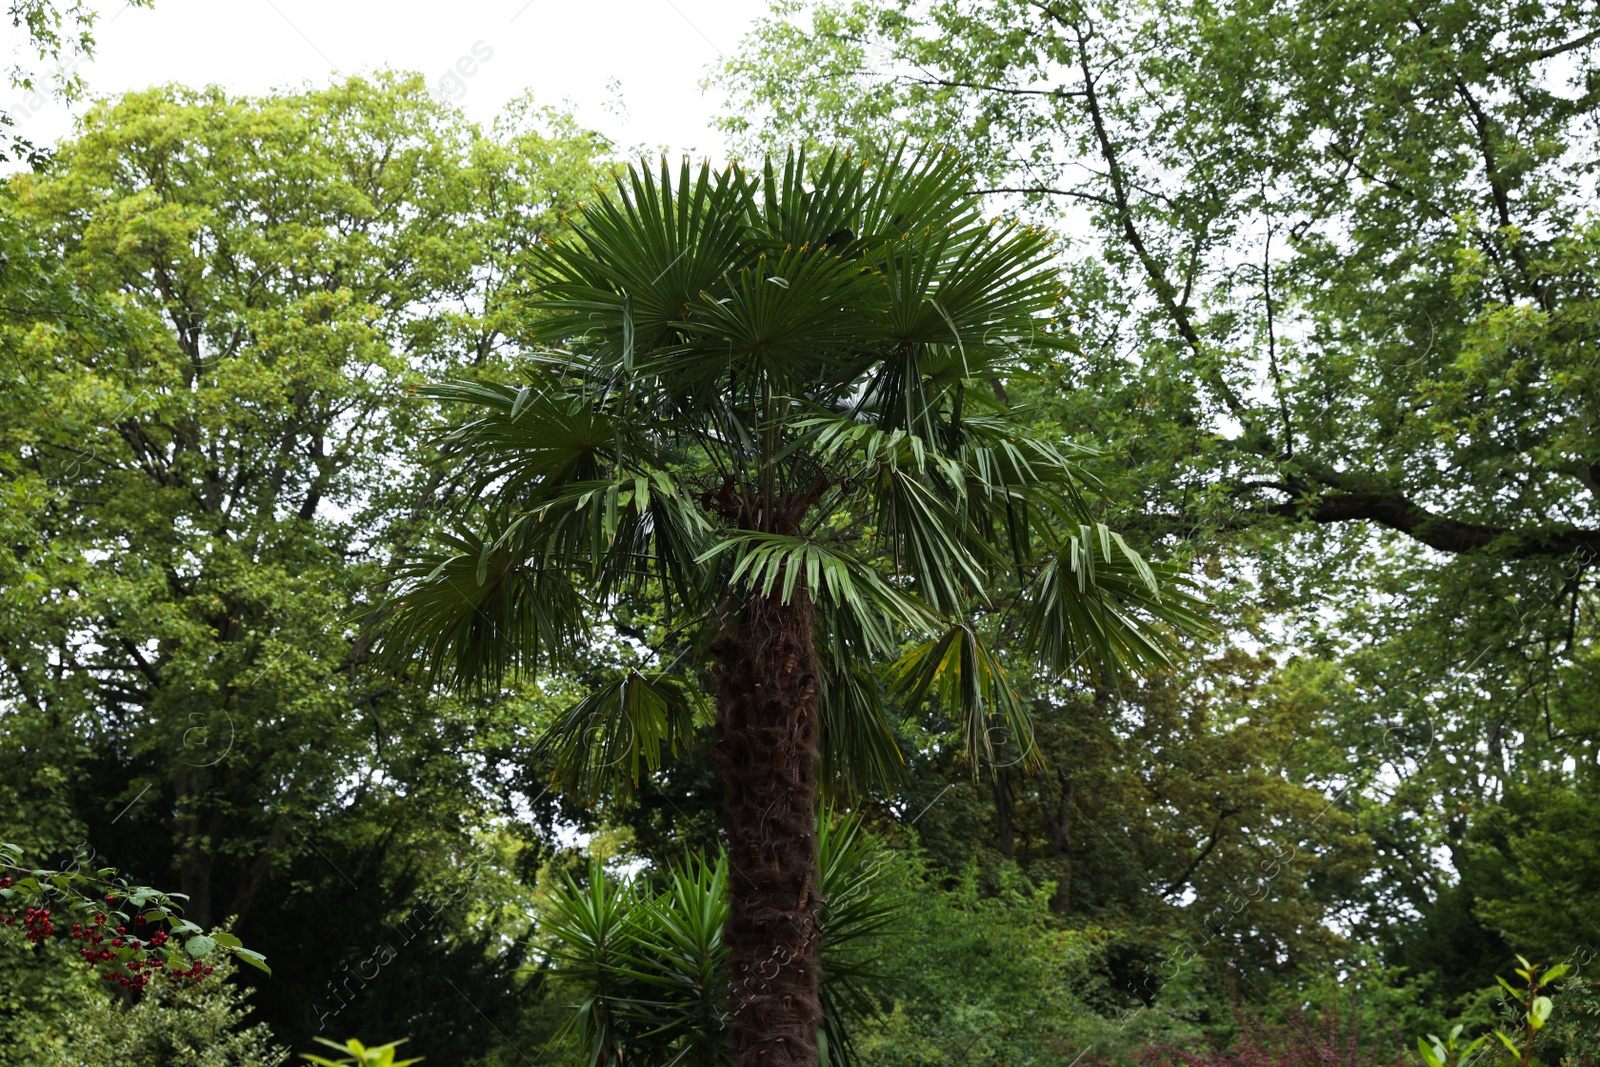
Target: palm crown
<point>776,408</point>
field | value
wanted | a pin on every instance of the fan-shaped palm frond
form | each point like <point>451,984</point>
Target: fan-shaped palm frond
<point>472,614</point>
<point>606,741</point>
<point>960,669</point>
<point>1096,601</point>
<point>796,314</point>
<point>643,258</point>
<point>518,438</point>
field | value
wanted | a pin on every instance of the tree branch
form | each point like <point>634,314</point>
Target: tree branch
<point>1040,190</point>
<point>1164,290</point>
<point>950,83</point>
<point>1211,843</point>
<point>1396,512</point>
<point>1535,55</point>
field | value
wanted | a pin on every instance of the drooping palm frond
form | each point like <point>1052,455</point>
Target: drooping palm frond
<point>779,566</point>
<point>522,438</point>
<point>1096,601</point>
<point>963,672</point>
<point>619,533</point>
<point>1003,465</point>
<point>482,606</point>
<point>609,739</point>
<point>859,750</point>
<point>586,489</point>
<point>948,516</point>
<point>473,615</point>
<point>921,506</point>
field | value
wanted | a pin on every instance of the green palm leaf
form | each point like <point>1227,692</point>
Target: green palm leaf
<point>859,749</point>
<point>620,731</point>
<point>659,243</point>
<point>797,312</point>
<point>958,667</point>
<point>1097,601</point>
<point>528,436</point>
<point>472,614</point>
<point>778,565</point>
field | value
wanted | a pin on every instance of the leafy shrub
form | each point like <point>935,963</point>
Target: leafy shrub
<point>1575,1029</point>
<point>170,1024</point>
<point>650,968</point>
<point>972,978</point>
<point>1332,1036</point>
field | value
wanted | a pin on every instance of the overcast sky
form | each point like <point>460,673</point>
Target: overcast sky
<point>648,56</point>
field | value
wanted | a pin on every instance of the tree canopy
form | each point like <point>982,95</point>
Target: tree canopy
<point>1133,466</point>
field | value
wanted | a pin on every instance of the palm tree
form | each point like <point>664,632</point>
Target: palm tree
<point>778,408</point>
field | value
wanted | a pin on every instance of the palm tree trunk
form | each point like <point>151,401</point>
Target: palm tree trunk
<point>767,755</point>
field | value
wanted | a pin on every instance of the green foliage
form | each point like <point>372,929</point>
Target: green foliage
<point>762,368</point>
<point>55,1013</point>
<point>1317,322</point>
<point>1258,189</point>
<point>361,1056</point>
<point>651,968</point>
<point>41,988</point>
<point>1331,295</point>
<point>209,456</point>
<point>170,1025</point>
<point>1529,1007</point>
<point>977,978</point>
<point>1182,816</point>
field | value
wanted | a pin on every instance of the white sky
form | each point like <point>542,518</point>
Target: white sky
<point>655,52</point>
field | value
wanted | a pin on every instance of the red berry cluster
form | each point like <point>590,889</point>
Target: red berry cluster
<point>139,970</point>
<point>37,924</point>
<point>101,945</point>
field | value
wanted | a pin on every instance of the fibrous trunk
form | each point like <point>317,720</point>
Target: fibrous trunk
<point>767,755</point>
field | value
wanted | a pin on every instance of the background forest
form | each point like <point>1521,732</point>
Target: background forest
<point>1328,343</point>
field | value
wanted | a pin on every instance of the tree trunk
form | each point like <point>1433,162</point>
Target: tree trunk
<point>767,755</point>
<point>1005,837</point>
<point>1061,846</point>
